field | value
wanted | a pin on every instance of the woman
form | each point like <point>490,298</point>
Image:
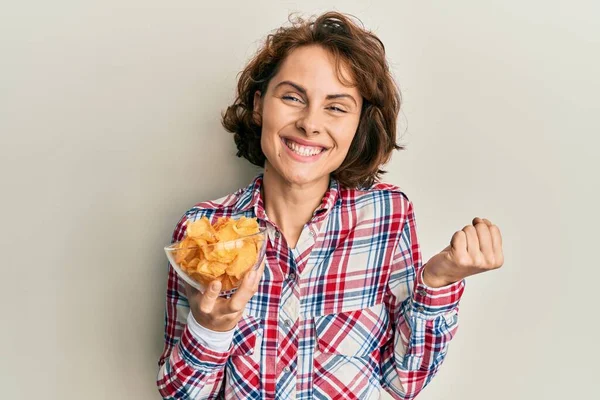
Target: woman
<point>342,307</point>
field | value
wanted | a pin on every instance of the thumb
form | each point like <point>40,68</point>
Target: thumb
<point>208,300</point>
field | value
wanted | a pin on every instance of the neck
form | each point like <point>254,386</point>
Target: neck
<point>291,206</point>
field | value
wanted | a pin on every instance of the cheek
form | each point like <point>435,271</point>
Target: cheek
<point>275,116</point>
<point>269,143</point>
<point>346,136</point>
<point>266,143</point>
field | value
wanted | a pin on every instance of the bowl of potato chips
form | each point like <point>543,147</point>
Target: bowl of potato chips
<point>224,251</point>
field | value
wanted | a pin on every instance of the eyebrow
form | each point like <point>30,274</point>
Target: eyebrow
<point>329,96</point>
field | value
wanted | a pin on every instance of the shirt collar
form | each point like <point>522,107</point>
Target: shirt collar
<point>251,199</point>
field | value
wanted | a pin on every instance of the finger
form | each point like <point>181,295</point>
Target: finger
<point>485,242</point>
<point>209,298</point>
<point>478,220</point>
<point>459,242</point>
<point>497,245</point>
<point>472,241</point>
<point>240,298</point>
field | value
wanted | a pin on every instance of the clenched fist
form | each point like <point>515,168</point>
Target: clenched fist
<point>475,249</point>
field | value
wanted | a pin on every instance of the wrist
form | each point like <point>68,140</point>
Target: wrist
<point>216,341</point>
<point>223,324</point>
<point>435,279</point>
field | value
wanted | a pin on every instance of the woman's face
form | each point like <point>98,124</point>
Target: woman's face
<point>309,117</point>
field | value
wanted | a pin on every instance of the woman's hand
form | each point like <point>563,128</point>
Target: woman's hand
<point>220,314</point>
<point>475,249</point>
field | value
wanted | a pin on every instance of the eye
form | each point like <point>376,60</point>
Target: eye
<point>292,98</point>
<point>337,109</point>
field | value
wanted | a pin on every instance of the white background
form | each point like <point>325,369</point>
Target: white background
<point>109,122</point>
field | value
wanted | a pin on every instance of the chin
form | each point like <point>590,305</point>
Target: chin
<point>305,177</point>
<point>299,176</point>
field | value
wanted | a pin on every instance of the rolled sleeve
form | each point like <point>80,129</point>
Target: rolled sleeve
<point>199,356</point>
<point>430,303</point>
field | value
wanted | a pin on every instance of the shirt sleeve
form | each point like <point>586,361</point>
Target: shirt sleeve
<point>423,319</point>
<point>217,341</point>
<point>188,367</point>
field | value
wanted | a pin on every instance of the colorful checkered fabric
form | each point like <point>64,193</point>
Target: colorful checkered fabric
<point>343,315</point>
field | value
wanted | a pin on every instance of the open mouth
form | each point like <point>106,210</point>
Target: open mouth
<point>302,150</point>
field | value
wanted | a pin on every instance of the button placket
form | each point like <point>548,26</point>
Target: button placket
<point>289,314</point>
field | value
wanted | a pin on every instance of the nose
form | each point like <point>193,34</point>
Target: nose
<point>310,121</point>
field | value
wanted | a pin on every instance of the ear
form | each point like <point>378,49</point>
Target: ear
<point>257,108</point>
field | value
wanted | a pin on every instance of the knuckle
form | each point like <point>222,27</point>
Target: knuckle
<point>500,261</point>
<point>235,307</point>
<point>482,228</point>
<point>464,261</point>
<point>211,295</point>
<point>205,308</point>
<point>479,262</point>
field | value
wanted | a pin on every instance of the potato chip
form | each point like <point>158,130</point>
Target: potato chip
<point>189,262</point>
<point>192,265</point>
<point>220,222</point>
<point>200,278</point>
<point>219,253</point>
<point>227,283</point>
<point>226,231</point>
<point>210,269</point>
<point>200,242</point>
<point>201,229</point>
<point>187,248</point>
<point>246,226</point>
<point>245,259</point>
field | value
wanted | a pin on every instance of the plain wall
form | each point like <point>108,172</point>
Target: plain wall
<point>110,130</point>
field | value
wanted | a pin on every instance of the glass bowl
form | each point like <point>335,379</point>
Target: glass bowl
<point>228,262</point>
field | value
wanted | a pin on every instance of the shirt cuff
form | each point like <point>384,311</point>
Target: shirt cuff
<point>216,341</point>
<point>196,356</point>
<point>431,302</point>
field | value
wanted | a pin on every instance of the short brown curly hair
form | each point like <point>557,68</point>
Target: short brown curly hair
<point>364,54</point>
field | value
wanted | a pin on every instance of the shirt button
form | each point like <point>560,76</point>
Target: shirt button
<point>277,234</point>
<point>421,292</point>
<point>311,233</point>
<point>286,370</point>
<point>420,309</point>
<point>287,323</point>
<point>292,276</point>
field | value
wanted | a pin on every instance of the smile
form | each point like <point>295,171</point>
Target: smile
<point>302,150</point>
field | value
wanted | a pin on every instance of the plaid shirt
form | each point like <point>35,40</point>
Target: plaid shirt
<point>343,315</point>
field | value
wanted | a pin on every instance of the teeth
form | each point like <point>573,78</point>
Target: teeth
<point>305,151</point>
